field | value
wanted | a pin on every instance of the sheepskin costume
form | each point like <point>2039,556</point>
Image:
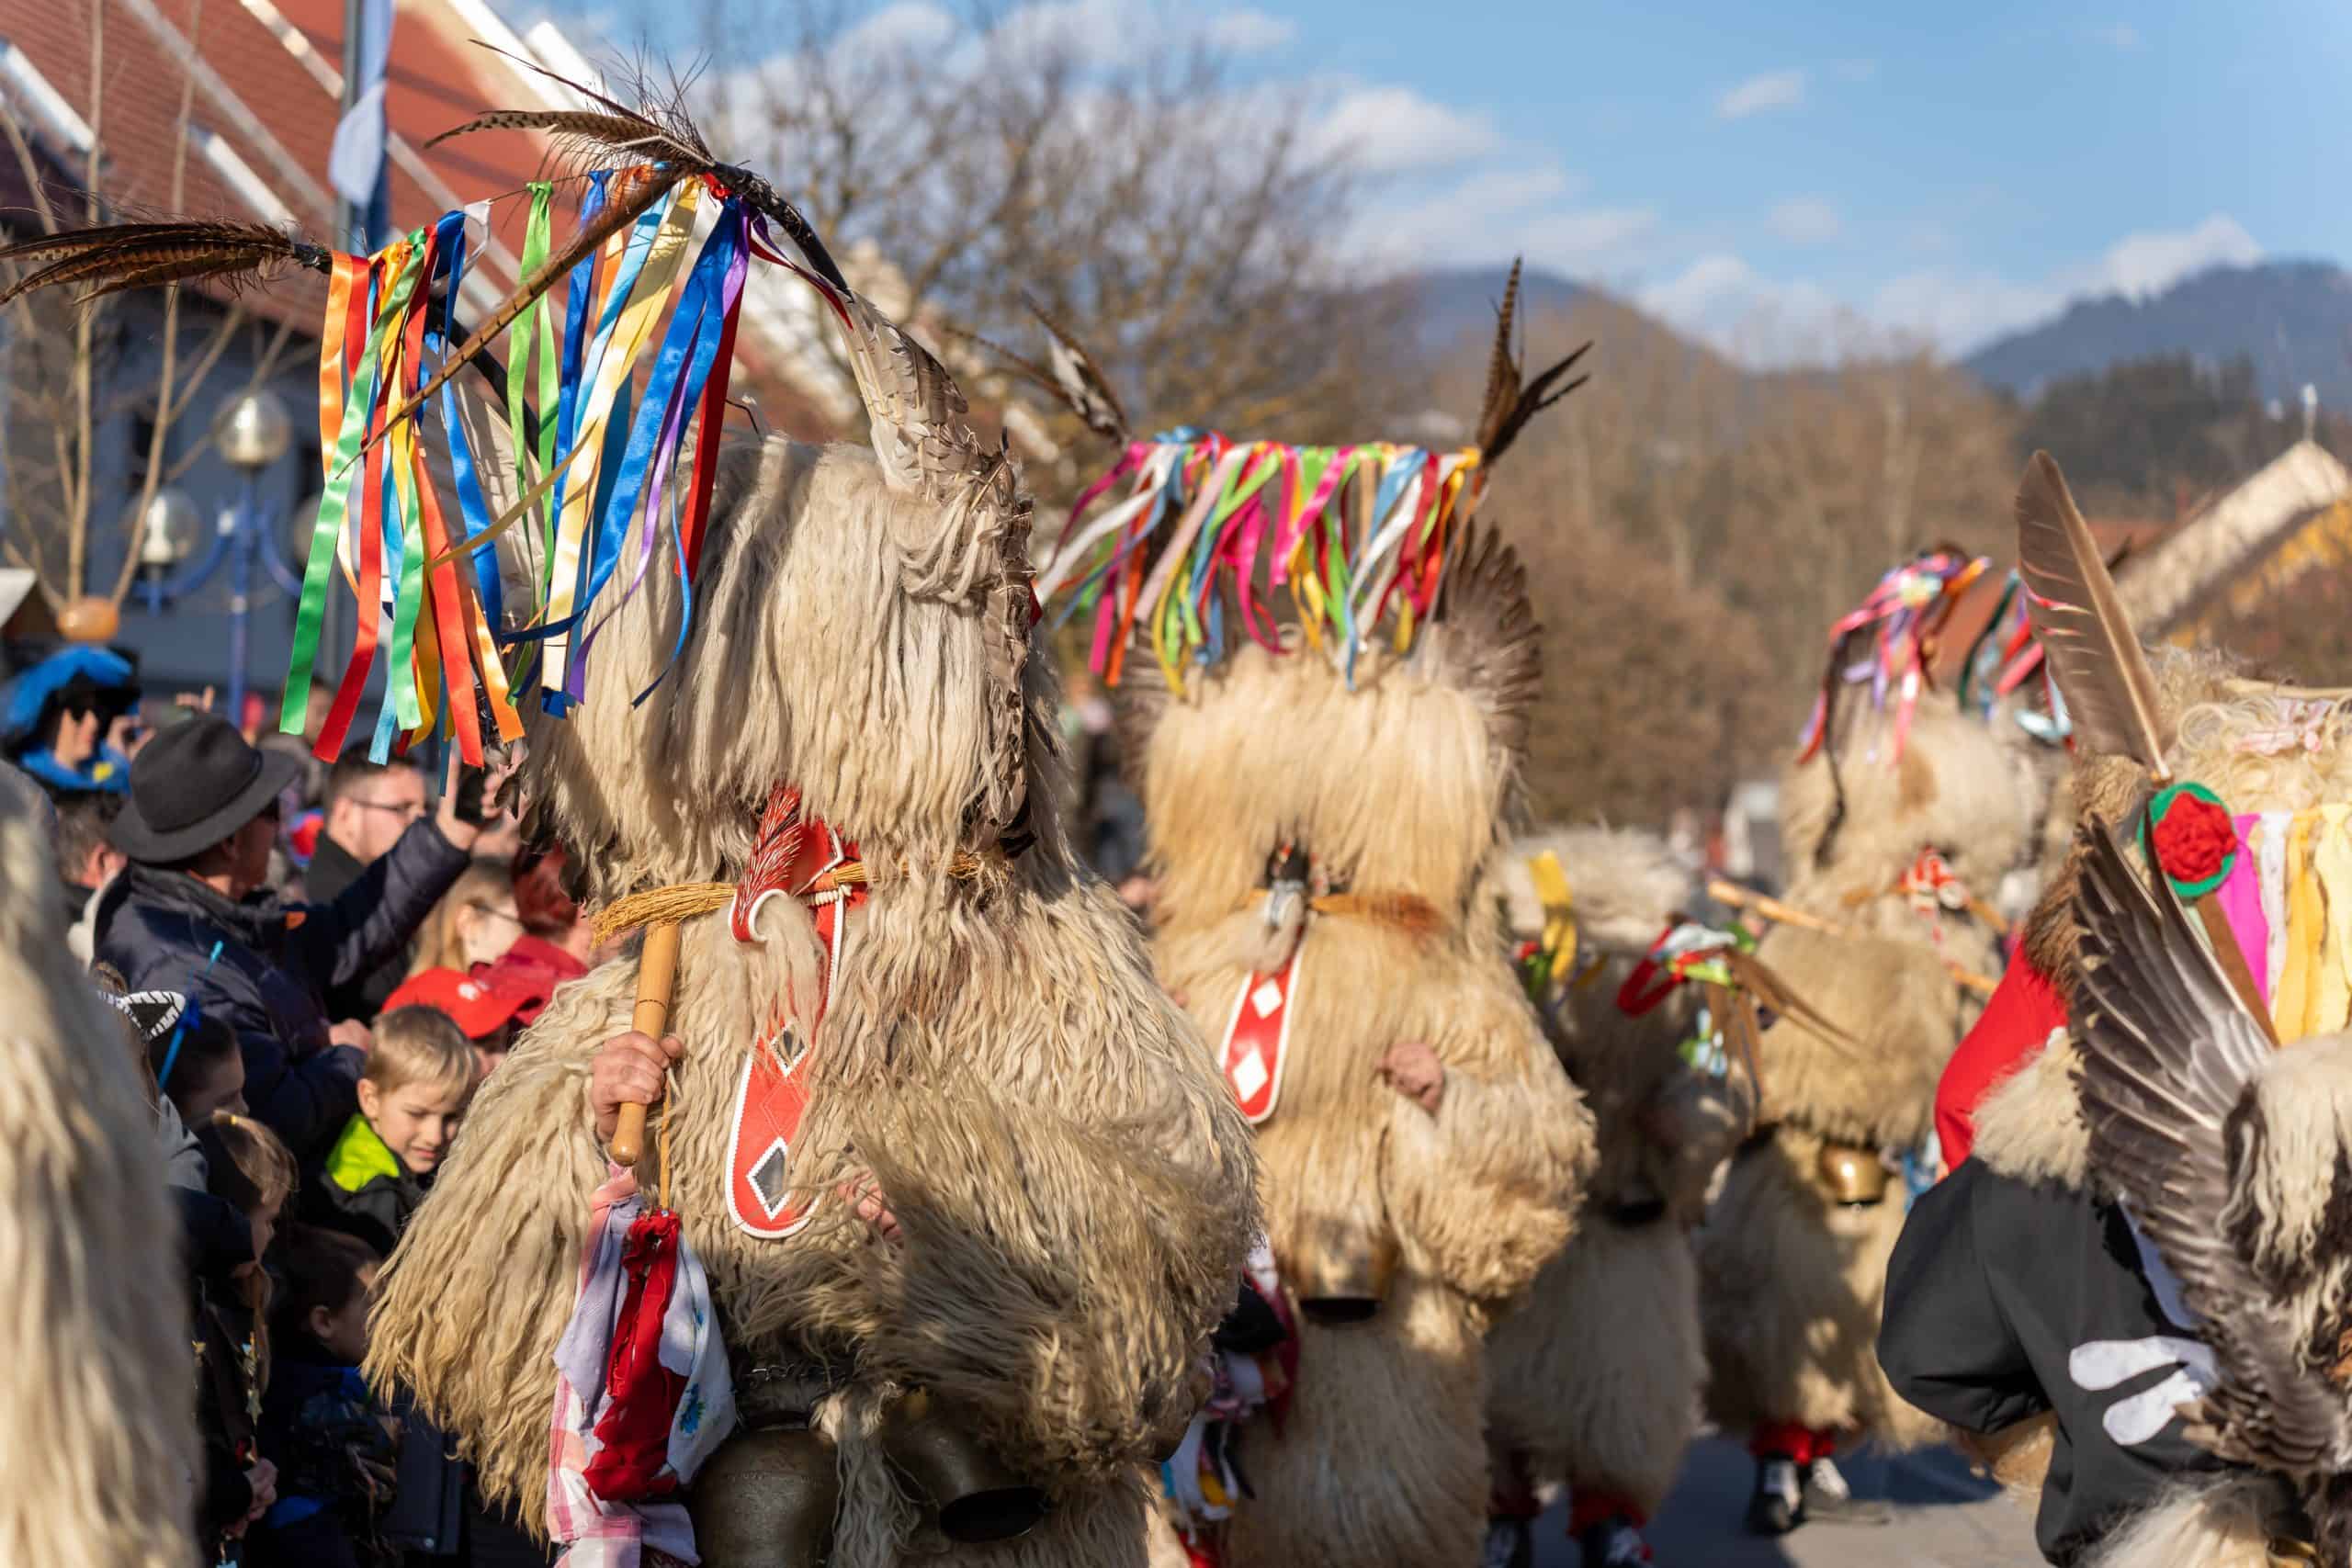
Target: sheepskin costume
<point>1596,1378</point>
<point>1073,1183</point>
<point>96,1384</point>
<point>1791,1267</point>
<point>1323,791</point>
<point>2251,1136</point>
<point>1397,788</point>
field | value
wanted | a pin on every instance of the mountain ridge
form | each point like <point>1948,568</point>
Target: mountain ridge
<point>2291,317</point>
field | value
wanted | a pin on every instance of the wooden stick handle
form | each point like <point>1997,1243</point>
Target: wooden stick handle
<point>657,976</point>
<point>1740,898</point>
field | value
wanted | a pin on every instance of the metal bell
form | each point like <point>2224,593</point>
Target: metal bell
<point>1346,1283</point>
<point>766,1499</point>
<point>975,1496</point>
<point>1850,1175</point>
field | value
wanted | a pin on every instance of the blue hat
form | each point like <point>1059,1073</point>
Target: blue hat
<point>30,691</point>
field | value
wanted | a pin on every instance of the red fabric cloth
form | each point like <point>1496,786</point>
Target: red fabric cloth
<point>1590,1505</point>
<point>1786,1440</point>
<point>633,1464</point>
<point>2016,1023</point>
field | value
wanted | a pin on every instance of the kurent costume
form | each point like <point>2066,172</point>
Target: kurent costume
<point>1321,799</point>
<point>1899,812</point>
<point>835,793</point>
<point>96,1378</point>
<point>1596,1378</point>
<point>2133,1290</point>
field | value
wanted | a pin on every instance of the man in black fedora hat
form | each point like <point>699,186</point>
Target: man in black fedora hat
<point>190,913</point>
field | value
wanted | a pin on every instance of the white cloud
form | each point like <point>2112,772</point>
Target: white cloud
<point>1807,221</point>
<point>1484,198</point>
<point>2140,264</point>
<point>1577,241</point>
<point>2123,37</point>
<point>1494,214</point>
<point>1701,288</point>
<point>906,25</point>
<point>1251,32</point>
<point>1759,322</point>
<point>1389,129</point>
<point>1774,90</point>
<point>1959,311</point>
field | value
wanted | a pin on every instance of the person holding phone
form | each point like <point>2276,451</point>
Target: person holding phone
<point>191,913</point>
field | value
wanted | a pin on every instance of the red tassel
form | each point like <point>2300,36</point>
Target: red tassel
<point>633,1464</point>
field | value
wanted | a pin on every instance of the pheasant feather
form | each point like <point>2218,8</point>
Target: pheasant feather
<point>2094,655</point>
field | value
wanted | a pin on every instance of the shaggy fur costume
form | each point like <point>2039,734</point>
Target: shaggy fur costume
<point>2030,1125</point>
<point>1397,788</point>
<point>1597,1378</point>
<point>1790,1280</point>
<point>95,1380</point>
<point>1072,1180</point>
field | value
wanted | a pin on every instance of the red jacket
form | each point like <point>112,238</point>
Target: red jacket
<point>2016,1021</point>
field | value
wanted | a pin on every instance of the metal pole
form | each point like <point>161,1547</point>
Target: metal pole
<point>344,213</point>
<point>241,583</point>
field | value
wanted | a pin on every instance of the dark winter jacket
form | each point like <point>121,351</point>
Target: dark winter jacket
<point>220,1328</point>
<point>160,929</point>
<point>330,871</point>
<point>334,1457</point>
<point>2007,1298</point>
<point>362,1190</point>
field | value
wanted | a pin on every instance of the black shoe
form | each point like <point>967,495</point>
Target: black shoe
<point>1613,1544</point>
<point>1510,1544</point>
<point>1827,1497</point>
<point>1777,1506</point>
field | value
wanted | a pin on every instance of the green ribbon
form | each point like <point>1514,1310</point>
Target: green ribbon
<point>335,506</point>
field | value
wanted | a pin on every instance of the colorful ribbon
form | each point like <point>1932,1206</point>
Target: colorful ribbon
<point>1886,642</point>
<point>1184,524</point>
<point>597,463</point>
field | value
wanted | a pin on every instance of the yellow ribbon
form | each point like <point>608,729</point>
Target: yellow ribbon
<point>1559,903</point>
<point>2331,998</point>
<point>647,298</point>
<point>2306,930</point>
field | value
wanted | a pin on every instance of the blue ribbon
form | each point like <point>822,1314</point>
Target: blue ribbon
<point>473,507</point>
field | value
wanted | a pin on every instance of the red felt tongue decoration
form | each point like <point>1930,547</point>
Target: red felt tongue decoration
<point>796,857</point>
<point>1257,1038</point>
<point>632,1465</point>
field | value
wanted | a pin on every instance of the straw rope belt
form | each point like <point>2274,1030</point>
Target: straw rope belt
<point>1408,912</point>
<point>687,900</point>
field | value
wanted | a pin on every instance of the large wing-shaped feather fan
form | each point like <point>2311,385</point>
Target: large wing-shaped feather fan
<point>1483,637</point>
<point>2095,656</point>
<point>2169,1058</point>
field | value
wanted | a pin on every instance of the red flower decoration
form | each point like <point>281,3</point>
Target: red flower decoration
<point>2194,839</point>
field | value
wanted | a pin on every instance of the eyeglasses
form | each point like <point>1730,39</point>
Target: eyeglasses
<point>411,810</point>
<point>507,915</point>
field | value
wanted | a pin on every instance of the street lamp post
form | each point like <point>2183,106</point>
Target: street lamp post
<point>252,432</point>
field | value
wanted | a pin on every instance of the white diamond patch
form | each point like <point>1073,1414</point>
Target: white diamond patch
<point>1266,998</point>
<point>1249,1075</point>
<point>767,1178</point>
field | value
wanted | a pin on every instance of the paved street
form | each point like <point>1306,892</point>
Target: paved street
<point>1944,1519</point>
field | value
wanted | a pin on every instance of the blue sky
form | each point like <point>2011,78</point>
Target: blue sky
<point>1771,175</point>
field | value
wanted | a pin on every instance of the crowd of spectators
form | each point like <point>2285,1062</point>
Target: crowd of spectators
<point>320,967</point>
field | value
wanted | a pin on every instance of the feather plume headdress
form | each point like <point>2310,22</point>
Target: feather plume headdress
<point>1191,520</point>
<point>596,446</point>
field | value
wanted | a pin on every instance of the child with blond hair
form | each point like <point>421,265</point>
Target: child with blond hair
<point>421,1072</point>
